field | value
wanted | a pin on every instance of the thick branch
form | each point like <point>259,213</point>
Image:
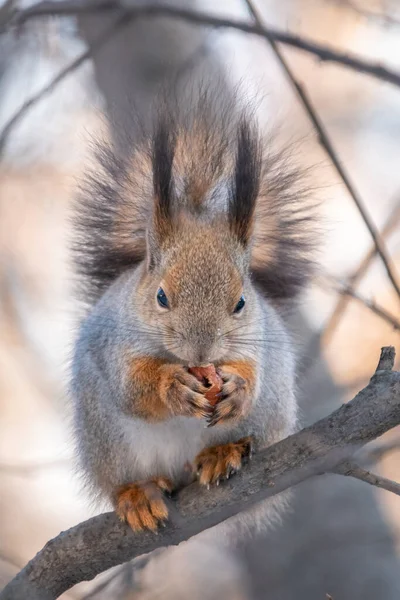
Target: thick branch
<point>324,53</point>
<point>103,542</point>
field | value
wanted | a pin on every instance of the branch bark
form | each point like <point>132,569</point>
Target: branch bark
<point>323,53</point>
<point>100,543</point>
<point>351,469</point>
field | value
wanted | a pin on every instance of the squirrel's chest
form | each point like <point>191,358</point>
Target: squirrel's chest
<point>163,448</point>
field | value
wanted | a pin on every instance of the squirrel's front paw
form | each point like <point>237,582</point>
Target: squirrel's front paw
<point>141,504</point>
<point>220,462</point>
<point>183,393</point>
<point>234,400</point>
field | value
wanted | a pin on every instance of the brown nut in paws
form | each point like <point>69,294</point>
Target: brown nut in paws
<point>234,399</point>
<point>209,377</point>
<point>141,504</point>
<point>220,462</point>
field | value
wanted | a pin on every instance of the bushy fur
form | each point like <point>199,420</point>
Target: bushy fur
<point>203,209</point>
<point>197,150</point>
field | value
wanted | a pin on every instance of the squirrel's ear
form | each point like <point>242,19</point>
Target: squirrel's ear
<point>245,183</point>
<point>163,150</point>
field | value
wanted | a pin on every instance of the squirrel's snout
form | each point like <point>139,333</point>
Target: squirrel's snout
<point>203,357</point>
<point>197,356</point>
<point>198,352</point>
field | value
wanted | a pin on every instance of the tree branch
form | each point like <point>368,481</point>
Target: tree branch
<point>322,52</point>
<point>121,21</point>
<point>100,543</point>
<point>345,289</point>
<point>272,36</point>
<point>327,144</point>
<point>351,469</point>
<point>389,227</point>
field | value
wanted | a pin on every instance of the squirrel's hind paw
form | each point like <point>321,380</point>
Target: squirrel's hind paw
<point>220,462</point>
<point>141,504</point>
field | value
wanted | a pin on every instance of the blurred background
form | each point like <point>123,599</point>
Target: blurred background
<point>342,537</point>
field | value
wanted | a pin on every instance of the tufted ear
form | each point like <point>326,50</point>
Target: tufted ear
<point>163,150</point>
<point>245,183</point>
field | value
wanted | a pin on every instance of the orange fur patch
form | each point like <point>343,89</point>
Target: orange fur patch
<point>147,378</point>
<point>239,382</point>
<point>220,462</point>
<point>141,504</point>
<point>244,368</point>
<point>161,390</point>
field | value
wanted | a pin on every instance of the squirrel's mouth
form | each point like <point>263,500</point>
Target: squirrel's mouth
<point>192,357</point>
<point>203,365</point>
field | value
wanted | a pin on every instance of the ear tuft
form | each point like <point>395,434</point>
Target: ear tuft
<point>164,143</point>
<point>246,182</point>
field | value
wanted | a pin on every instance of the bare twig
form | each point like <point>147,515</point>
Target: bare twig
<point>104,541</point>
<point>328,147</point>
<point>344,288</point>
<point>122,20</point>
<point>196,57</point>
<point>322,52</point>
<point>391,224</point>
<point>63,8</point>
<point>351,469</point>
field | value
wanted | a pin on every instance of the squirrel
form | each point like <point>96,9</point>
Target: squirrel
<point>187,249</point>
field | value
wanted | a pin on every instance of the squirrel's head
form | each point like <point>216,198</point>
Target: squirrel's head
<point>195,292</point>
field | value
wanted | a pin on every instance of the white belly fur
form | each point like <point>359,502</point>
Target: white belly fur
<point>162,449</point>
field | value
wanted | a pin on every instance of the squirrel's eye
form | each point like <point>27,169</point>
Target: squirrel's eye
<point>240,305</point>
<point>162,298</point>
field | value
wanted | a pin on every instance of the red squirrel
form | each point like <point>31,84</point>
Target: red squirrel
<point>187,248</point>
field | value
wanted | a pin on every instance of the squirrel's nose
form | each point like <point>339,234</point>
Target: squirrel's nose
<point>203,354</point>
<point>201,357</point>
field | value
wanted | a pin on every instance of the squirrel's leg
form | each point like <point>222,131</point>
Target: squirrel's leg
<point>220,462</point>
<point>236,401</point>
<point>156,391</point>
<point>141,504</point>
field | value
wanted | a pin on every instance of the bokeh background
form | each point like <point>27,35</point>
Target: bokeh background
<point>341,537</point>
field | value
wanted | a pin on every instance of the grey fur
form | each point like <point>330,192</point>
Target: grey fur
<point>205,262</point>
<point>116,448</point>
